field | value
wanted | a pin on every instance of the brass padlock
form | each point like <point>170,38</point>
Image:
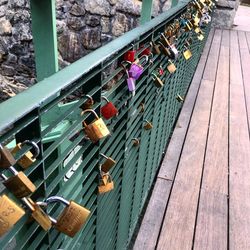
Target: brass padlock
<point>106,184</point>
<point>148,125</point>
<point>97,129</point>
<point>165,50</point>
<point>179,98</point>
<point>136,142</point>
<point>197,30</point>
<point>10,214</point>
<point>200,37</point>
<point>38,214</point>
<point>108,164</point>
<point>6,158</point>
<point>72,218</point>
<point>28,158</point>
<point>156,48</point>
<point>171,67</point>
<point>88,104</point>
<point>142,107</point>
<point>19,184</point>
<point>187,53</point>
<point>158,82</point>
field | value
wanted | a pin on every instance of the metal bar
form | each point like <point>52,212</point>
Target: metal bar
<point>43,16</point>
<point>146,11</point>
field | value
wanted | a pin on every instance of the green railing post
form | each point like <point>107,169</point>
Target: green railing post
<point>43,16</point>
<point>147,6</point>
<point>174,3</point>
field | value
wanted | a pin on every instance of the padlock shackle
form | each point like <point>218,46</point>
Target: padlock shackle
<point>140,58</point>
<point>13,170</point>
<point>125,69</point>
<point>55,199</point>
<point>90,98</point>
<point>34,146</point>
<point>154,75</point>
<point>104,156</point>
<point>105,98</point>
<point>89,110</point>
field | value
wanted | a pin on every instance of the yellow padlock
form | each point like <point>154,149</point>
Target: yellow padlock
<point>187,53</point>
<point>97,129</point>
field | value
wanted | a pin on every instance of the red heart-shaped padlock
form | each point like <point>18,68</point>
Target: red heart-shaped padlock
<point>108,110</point>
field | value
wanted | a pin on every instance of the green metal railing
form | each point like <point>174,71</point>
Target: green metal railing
<point>43,115</point>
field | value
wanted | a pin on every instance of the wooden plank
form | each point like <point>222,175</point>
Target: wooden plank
<point>211,230</point>
<point>178,226</point>
<point>152,220</point>
<point>173,153</point>
<point>239,159</point>
<point>212,219</point>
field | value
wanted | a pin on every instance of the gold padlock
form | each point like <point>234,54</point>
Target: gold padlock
<point>142,107</point>
<point>158,82</point>
<point>6,158</point>
<point>187,53</point>
<point>156,48</point>
<point>88,104</point>
<point>10,214</point>
<point>148,125</point>
<point>179,98</point>
<point>28,158</point>
<point>136,142</point>
<point>19,184</point>
<point>72,218</point>
<point>108,164</point>
<point>97,129</point>
<point>197,30</point>
<point>106,184</point>
<point>38,214</point>
<point>171,67</point>
<point>165,50</point>
<point>200,37</point>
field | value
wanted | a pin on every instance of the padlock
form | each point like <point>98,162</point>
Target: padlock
<point>72,218</point>
<point>200,37</point>
<point>187,53</point>
<point>6,158</point>
<point>28,158</point>
<point>136,142</point>
<point>130,56</point>
<point>97,129</point>
<point>130,81</point>
<point>165,50</point>
<point>160,70</point>
<point>171,47</point>
<point>197,30</point>
<point>10,214</point>
<point>158,82</point>
<point>106,184</point>
<point>136,69</point>
<point>156,48</point>
<point>171,67</point>
<point>38,214</point>
<point>148,125</point>
<point>108,110</point>
<point>19,184</point>
<point>145,51</point>
<point>88,104</point>
<point>179,98</point>
<point>142,107</point>
<point>108,164</point>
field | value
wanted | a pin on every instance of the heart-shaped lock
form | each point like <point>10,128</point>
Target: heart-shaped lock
<point>108,110</point>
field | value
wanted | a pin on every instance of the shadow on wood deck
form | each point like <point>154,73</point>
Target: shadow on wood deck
<point>201,199</point>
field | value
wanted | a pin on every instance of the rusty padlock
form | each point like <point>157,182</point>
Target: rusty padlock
<point>148,125</point>
<point>10,214</point>
<point>97,129</point>
<point>6,158</point>
<point>158,82</point>
<point>106,184</point>
<point>19,184</point>
<point>28,158</point>
<point>108,164</point>
<point>108,110</point>
<point>72,218</point>
<point>89,103</point>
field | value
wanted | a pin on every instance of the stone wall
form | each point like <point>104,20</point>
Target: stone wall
<point>82,27</point>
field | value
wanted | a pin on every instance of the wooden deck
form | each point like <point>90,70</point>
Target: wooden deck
<point>201,199</point>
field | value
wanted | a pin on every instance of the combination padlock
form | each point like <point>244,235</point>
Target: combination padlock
<point>38,214</point>
<point>130,81</point>
<point>10,214</point>
<point>158,82</point>
<point>89,103</point>
<point>136,68</point>
<point>148,125</point>
<point>179,98</point>
<point>72,218</point>
<point>187,53</point>
<point>171,67</point>
<point>108,163</point>
<point>108,110</point>
<point>97,129</point>
<point>6,158</point>
<point>19,184</point>
<point>106,184</point>
<point>130,56</point>
<point>28,158</point>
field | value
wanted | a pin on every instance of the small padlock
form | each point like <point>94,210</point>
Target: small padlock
<point>158,82</point>
<point>136,142</point>
<point>165,50</point>
<point>171,47</point>
<point>200,37</point>
<point>136,69</point>
<point>145,51</point>
<point>187,53</point>
<point>148,125</point>
<point>142,107</point>
<point>179,98</point>
<point>97,129</point>
<point>130,81</point>
<point>161,71</point>
<point>108,110</point>
<point>6,158</point>
<point>88,104</point>
<point>28,158</point>
<point>72,218</point>
<point>171,67</point>
<point>130,56</point>
<point>156,48</point>
<point>10,214</point>
<point>106,184</point>
<point>38,214</point>
<point>19,184</point>
<point>108,164</point>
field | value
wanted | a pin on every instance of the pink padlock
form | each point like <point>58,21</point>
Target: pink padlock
<point>136,69</point>
<point>130,81</point>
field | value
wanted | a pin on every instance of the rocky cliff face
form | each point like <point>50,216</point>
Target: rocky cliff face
<point>82,27</point>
